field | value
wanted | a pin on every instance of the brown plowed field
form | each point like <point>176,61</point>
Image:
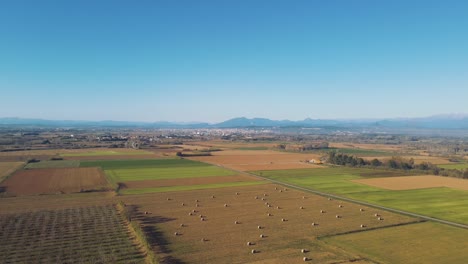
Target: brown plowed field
<point>7,168</point>
<point>60,180</point>
<point>187,181</point>
<point>251,160</point>
<point>415,182</point>
<point>226,242</point>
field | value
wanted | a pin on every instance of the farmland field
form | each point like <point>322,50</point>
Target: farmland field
<point>417,243</point>
<point>49,181</point>
<point>219,239</point>
<point>415,182</point>
<point>443,203</point>
<point>46,164</point>
<point>247,160</point>
<point>6,168</point>
<point>75,235</point>
<point>458,166</point>
<point>107,152</point>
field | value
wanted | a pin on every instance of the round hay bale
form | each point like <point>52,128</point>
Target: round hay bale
<point>268,214</point>
<point>196,201</point>
<point>329,199</point>
<point>202,219</point>
<point>194,211</point>
<point>176,233</point>
<point>190,213</point>
<point>362,226</point>
<point>304,250</point>
<point>301,207</point>
<point>182,225</point>
<point>362,210</point>
<point>262,235</point>
<point>376,215</point>
<point>322,211</point>
<point>305,259</point>
<point>380,218</point>
<point>281,191</point>
<point>183,204</point>
<point>168,199</point>
<point>256,197</point>
<point>283,220</point>
<point>237,193</point>
<point>303,197</point>
<point>146,212</point>
<point>249,243</point>
<point>340,206</point>
<point>254,251</point>
<point>212,196</point>
<point>235,222</point>
<point>338,216</point>
<point>197,205</point>
<point>269,205</point>
<point>203,240</point>
<point>225,205</point>
<point>265,194</point>
<point>277,207</point>
<point>259,227</point>
<point>314,224</point>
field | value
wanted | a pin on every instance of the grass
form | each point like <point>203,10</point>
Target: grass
<point>105,153</point>
<point>458,166</point>
<point>443,203</point>
<point>123,175</point>
<point>47,164</point>
<point>189,187</point>
<point>139,164</point>
<point>417,243</point>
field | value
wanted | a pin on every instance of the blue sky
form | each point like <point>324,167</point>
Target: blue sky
<point>209,61</point>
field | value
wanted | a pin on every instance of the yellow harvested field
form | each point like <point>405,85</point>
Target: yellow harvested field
<point>415,182</point>
<point>251,160</point>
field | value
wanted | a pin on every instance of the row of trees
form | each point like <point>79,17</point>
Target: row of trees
<point>398,163</point>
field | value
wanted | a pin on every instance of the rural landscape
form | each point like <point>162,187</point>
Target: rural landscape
<point>232,132</point>
<point>259,198</point>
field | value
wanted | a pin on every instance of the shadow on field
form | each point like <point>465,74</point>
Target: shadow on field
<point>155,237</point>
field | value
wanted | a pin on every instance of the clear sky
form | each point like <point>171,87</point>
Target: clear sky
<point>202,60</point>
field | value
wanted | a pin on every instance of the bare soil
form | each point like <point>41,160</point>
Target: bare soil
<point>59,180</point>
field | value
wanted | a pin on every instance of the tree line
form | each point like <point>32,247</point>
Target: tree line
<point>397,163</point>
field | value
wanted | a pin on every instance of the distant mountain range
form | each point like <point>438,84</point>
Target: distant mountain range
<point>450,121</point>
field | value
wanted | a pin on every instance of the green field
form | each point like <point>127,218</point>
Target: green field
<point>137,170</point>
<point>443,203</point>
<point>106,153</point>
<point>140,164</point>
<point>416,243</point>
<point>190,187</point>
<point>53,164</point>
<point>458,166</point>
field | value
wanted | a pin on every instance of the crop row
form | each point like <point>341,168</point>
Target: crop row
<point>76,235</point>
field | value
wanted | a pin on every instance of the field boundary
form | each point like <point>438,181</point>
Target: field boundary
<point>138,232</point>
<point>373,229</point>
<point>429,218</point>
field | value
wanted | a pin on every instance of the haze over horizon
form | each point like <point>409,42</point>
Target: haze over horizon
<point>210,61</point>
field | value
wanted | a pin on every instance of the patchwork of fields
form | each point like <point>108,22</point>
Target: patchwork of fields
<point>6,168</point>
<point>153,174</point>
<point>196,212</point>
<point>443,203</point>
